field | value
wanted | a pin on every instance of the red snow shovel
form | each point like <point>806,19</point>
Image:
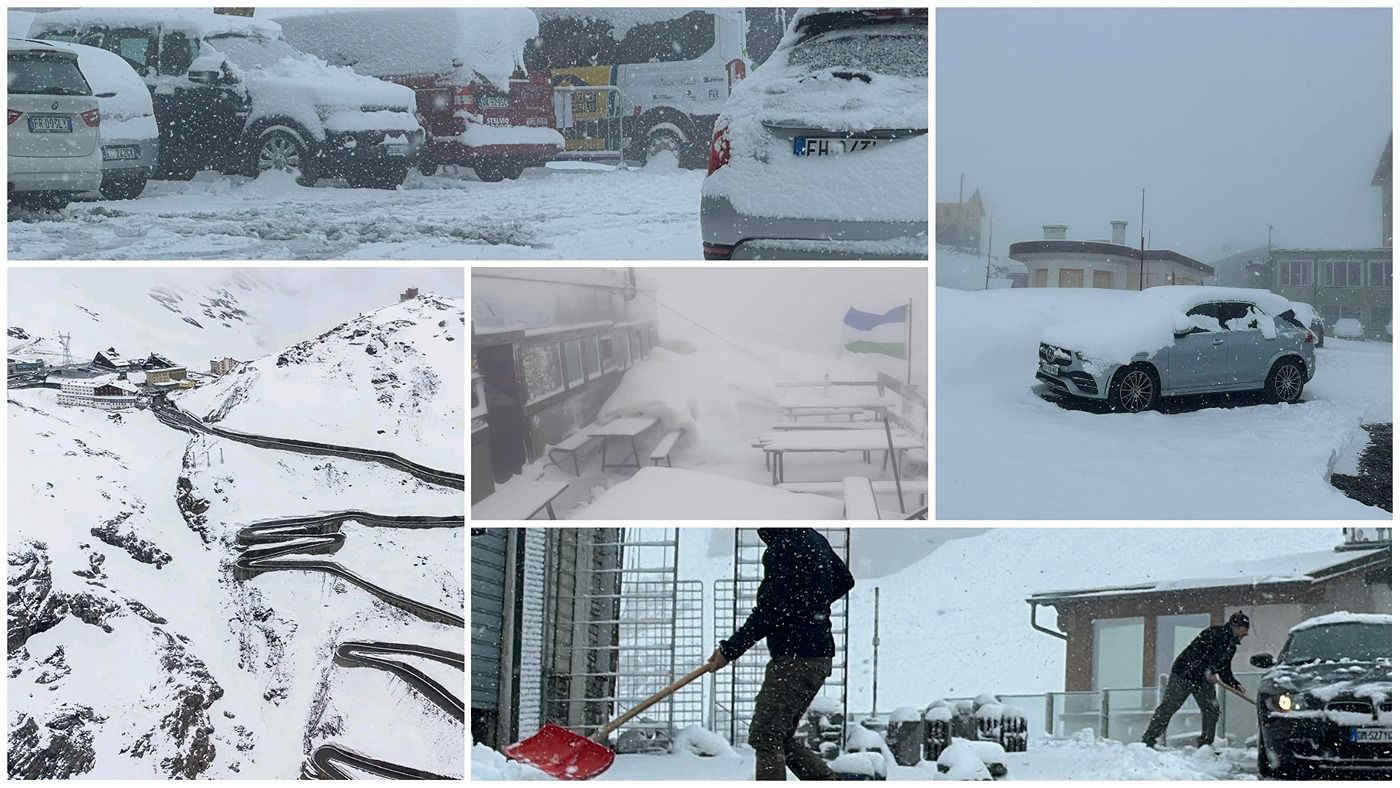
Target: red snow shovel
<point>563,754</point>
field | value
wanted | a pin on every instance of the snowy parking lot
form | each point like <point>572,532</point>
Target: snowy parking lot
<point>1005,450</point>
<point>564,210</point>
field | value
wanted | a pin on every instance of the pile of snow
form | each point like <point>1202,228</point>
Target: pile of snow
<point>1147,321</point>
<point>994,427</point>
<point>702,742</point>
<point>962,270</point>
<point>1083,757</point>
<point>1348,328</point>
<point>961,761</point>
<point>477,135</point>
<point>390,379</point>
<point>453,44</point>
<point>870,764</point>
<point>487,764</point>
<point>679,494</point>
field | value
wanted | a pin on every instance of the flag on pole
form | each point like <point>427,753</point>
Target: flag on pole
<point>883,334</point>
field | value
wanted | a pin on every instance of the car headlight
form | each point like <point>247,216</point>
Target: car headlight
<point>1287,702</point>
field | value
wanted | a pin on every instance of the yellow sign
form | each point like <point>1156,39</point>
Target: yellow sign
<point>588,104</point>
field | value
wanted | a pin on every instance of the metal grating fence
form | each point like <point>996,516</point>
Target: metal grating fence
<point>734,688</point>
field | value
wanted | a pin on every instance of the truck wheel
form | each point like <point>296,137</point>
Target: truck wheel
<point>124,189</point>
<point>661,140</point>
<point>490,172</point>
<point>514,171</point>
<point>277,149</point>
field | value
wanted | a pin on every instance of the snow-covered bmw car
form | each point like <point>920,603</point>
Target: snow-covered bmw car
<point>1324,703</point>
<point>231,94</point>
<point>822,152</point>
<point>53,130</point>
<point>130,137</point>
<point>1177,340</point>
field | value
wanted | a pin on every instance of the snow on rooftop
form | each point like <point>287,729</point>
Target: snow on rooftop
<point>195,23</point>
<point>1342,617</point>
<point>386,42</point>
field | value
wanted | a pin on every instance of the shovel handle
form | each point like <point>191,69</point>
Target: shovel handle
<point>1228,688</point>
<point>602,735</point>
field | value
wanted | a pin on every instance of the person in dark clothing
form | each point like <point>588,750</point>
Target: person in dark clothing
<point>802,577</point>
<point>1197,668</point>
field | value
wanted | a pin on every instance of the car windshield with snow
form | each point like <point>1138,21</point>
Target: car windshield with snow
<point>53,126</point>
<point>1325,702</point>
<point>823,150</point>
<point>1180,340</point>
<point>231,94</point>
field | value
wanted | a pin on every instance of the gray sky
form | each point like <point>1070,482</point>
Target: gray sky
<point>1232,119</point>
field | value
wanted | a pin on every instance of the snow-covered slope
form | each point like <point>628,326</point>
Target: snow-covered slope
<point>390,379</point>
<point>133,649</point>
<point>194,314</point>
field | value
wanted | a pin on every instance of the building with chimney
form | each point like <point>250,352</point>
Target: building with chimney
<point>1055,261</point>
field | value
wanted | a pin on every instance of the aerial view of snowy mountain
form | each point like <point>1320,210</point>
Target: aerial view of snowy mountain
<point>235,523</point>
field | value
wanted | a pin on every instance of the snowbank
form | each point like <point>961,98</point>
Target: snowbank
<point>1343,617</point>
<point>478,134</point>
<point>487,764</point>
<point>965,271</point>
<point>961,761</point>
<point>702,742</point>
<point>453,43</point>
<point>677,494</point>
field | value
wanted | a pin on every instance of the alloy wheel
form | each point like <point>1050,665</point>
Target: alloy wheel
<point>279,152</point>
<point>1287,382</point>
<point>1135,390</point>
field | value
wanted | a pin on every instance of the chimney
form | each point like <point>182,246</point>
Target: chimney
<point>1120,231</point>
<point>1054,232</point>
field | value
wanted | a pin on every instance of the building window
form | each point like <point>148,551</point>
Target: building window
<point>573,362</point>
<point>1380,274</point>
<point>1041,278</point>
<point>1103,279</point>
<point>540,370</point>
<point>590,357</point>
<point>1354,274</point>
<point>605,350</point>
<point>1071,277</point>
<point>1285,275</point>
<point>1118,653</point>
<point>1302,272</point>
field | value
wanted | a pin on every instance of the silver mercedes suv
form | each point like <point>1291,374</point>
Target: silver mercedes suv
<point>1221,340</point>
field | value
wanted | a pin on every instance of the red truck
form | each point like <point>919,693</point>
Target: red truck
<point>475,100</point>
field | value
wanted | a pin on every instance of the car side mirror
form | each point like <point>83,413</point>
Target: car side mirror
<point>1262,660</point>
<point>105,95</point>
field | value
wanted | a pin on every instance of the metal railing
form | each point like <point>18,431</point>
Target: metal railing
<point>585,124</point>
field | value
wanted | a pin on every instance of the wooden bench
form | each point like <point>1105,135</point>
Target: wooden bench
<point>571,446</point>
<point>827,425</point>
<point>663,449</point>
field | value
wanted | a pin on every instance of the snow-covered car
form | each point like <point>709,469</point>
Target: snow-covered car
<point>822,152</point>
<point>1177,340</point>
<point>1310,318</point>
<point>54,118</point>
<point>130,138</point>
<point>1324,702</point>
<point>1348,328</point>
<point>231,94</point>
<point>476,102</point>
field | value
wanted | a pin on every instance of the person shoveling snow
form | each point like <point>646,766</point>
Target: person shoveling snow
<point>1203,663</point>
<point>802,577</point>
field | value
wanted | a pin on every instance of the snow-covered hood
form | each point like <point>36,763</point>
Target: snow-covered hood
<point>1325,682</point>
<point>310,81</point>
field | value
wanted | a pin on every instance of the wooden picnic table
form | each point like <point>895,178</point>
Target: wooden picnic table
<point>794,409</point>
<point>519,500</point>
<point>776,444</point>
<point>630,428</point>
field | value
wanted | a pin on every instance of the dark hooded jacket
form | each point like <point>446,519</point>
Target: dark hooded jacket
<point>802,577</point>
<point>1212,650</point>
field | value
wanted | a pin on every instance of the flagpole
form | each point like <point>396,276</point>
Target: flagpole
<point>909,346</point>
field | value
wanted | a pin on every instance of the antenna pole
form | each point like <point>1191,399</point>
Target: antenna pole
<point>1142,240</point>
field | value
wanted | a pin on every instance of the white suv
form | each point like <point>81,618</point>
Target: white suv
<point>53,118</point>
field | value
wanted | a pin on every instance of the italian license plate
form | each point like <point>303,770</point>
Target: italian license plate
<point>1050,369</point>
<point>50,124</point>
<point>830,146</point>
<point>396,149</point>
<point>120,152</point>
<point>1370,735</point>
